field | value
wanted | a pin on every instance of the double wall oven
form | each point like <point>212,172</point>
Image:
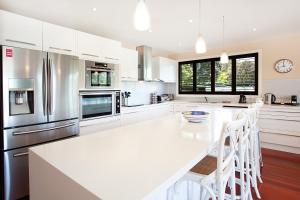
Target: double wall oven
<point>98,104</point>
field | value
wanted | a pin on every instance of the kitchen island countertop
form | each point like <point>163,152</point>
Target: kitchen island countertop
<point>134,162</point>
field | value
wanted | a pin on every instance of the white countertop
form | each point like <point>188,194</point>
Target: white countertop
<point>136,161</point>
<point>125,109</point>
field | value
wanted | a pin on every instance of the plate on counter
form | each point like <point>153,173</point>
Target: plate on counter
<point>195,116</point>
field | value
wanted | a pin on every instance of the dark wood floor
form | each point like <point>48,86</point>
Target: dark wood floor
<point>281,176</point>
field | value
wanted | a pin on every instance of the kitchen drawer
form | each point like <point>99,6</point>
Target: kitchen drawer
<point>16,176</point>
<point>287,116</point>
<point>30,135</point>
<point>275,138</point>
<point>282,125</point>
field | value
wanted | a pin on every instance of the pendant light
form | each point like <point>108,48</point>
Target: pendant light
<point>224,57</point>
<point>200,46</point>
<point>141,16</point>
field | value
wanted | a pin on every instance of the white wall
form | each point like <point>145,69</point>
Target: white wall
<point>282,87</point>
<point>141,90</point>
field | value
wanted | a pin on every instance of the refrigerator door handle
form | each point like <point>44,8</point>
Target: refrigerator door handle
<point>44,86</point>
<point>20,154</point>
<point>49,87</point>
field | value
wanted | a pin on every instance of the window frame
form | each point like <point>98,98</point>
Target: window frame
<point>233,58</point>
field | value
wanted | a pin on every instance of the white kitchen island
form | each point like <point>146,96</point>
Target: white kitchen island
<point>134,162</point>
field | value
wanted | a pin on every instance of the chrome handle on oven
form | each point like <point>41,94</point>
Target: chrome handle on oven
<point>49,87</point>
<point>94,93</point>
<point>86,54</point>
<point>42,130</point>
<point>21,42</point>
<point>20,154</point>
<point>44,86</point>
<point>95,69</point>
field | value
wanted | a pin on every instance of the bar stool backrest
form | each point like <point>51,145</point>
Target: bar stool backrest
<point>226,159</point>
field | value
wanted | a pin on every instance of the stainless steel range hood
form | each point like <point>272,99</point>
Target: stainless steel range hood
<point>144,63</point>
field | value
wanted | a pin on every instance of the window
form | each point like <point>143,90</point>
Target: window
<point>187,78</point>
<point>245,74</point>
<point>209,76</point>
<point>223,77</point>
<point>203,77</point>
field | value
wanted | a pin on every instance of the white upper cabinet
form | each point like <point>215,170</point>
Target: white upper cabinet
<point>111,50</point>
<point>89,47</point>
<point>129,65</point>
<point>19,31</point>
<point>59,39</point>
<point>164,69</point>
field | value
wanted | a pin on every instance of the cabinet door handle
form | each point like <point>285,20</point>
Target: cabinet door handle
<point>111,58</point>
<point>20,154</point>
<point>21,42</point>
<point>86,54</point>
<point>60,49</point>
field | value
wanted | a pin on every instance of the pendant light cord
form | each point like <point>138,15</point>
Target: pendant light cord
<point>199,17</point>
<point>223,32</point>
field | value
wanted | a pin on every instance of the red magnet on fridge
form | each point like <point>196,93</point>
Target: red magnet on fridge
<point>9,53</point>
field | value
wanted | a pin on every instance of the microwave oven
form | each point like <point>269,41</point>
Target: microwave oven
<point>98,104</point>
<point>99,75</point>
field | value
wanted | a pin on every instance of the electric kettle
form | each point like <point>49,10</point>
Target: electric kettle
<point>269,98</point>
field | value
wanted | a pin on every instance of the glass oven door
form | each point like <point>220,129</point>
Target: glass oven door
<point>101,78</point>
<point>96,105</point>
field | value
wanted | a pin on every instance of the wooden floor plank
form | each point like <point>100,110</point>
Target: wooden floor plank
<point>281,176</point>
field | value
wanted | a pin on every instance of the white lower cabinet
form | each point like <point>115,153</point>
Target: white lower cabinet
<point>280,128</point>
<point>145,113</point>
<point>20,31</point>
<point>181,107</point>
<point>98,125</point>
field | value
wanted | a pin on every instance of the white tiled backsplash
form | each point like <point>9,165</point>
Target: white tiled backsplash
<point>141,90</point>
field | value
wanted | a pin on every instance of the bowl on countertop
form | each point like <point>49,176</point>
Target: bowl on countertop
<point>195,116</point>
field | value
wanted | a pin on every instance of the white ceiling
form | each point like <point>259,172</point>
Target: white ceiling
<point>171,30</point>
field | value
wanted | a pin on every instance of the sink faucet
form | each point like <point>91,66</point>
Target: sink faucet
<point>206,100</point>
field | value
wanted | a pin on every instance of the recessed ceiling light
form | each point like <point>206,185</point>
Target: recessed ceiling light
<point>190,20</point>
<point>254,29</point>
<point>94,9</point>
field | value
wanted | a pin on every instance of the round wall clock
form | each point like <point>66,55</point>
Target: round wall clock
<point>283,66</point>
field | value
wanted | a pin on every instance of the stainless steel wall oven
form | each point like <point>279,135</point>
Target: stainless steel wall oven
<point>99,75</point>
<point>96,104</point>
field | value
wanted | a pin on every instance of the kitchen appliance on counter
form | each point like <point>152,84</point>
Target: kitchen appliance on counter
<point>269,98</point>
<point>97,104</point>
<point>243,99</point>
<point>153,98</point>
<point>38,103</point>
<point>99,75</point>
<point>294,100</point>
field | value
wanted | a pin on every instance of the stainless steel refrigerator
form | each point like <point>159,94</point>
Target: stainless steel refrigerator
<point>39,104</point>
